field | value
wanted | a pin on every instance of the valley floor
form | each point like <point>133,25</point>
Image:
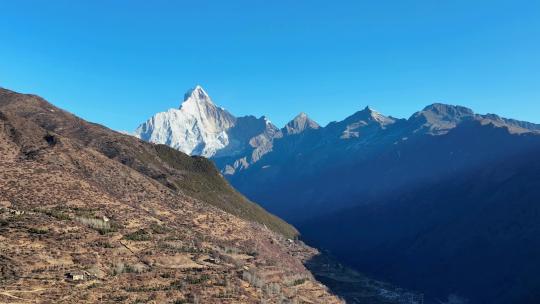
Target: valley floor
<point>355,287</point>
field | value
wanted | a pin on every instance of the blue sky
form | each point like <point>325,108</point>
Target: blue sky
<point>118,62</point>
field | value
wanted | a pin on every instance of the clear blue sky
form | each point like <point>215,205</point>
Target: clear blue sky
<point>118,62</point>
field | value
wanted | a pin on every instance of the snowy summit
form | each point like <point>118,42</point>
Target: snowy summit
<point>197,128</point>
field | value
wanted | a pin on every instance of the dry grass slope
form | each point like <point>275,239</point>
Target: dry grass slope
<point>194,176</point>
<point>88,215</point>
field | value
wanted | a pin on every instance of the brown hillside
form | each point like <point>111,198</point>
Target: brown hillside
<point>193,176</point>
<point>130,222</point>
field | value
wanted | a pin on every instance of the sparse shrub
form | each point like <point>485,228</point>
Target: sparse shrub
<point>272,289</point>
<point>4,222</point>
<point>92,286</point>
<point>178,284</point>
<point>295,280</point>
<point>247,276</point>
<point>183,248</point>
<point>159,229</point>
<point>230,260</point>
<point>57,214</point>
<point>104,244</point>
<point>84,212</point>
<point>118,268</point>
<point>194,299</point>
<point>101,226</point>
<point>119,298</point>
<point>197,280</point>
<point>146,288</point>
<point>137,268</point>
<point>138,236</point>
<point>231,250</point>
<point>37,231</point>
<point>253,278</point>
<point>167,275</point>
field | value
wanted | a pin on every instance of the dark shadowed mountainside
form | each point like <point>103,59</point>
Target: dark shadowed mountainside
<point>445,202</point>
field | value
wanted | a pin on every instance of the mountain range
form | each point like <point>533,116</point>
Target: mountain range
<point>445,201</point>
<point>90,215</point>
<point>199,127</point>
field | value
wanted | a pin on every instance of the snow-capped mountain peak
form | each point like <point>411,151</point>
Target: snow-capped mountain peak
<point>199,127</point>
<point>197,95</point>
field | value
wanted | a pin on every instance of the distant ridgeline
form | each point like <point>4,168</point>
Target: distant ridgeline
<point>446,201</point>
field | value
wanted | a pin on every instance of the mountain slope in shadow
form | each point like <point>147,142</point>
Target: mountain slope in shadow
<point>444,202</point>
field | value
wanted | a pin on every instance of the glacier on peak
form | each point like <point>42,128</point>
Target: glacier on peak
<point>198,127</point>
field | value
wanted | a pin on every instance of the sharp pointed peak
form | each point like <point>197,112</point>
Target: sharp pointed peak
<point>369,110</point>
<point>196,91</point>
<point>196,95</point>
<point>299,123</point>
<point>368,114</point>
<point>301,115</point>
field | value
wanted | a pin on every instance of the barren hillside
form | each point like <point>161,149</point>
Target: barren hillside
<point>89,215</point>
